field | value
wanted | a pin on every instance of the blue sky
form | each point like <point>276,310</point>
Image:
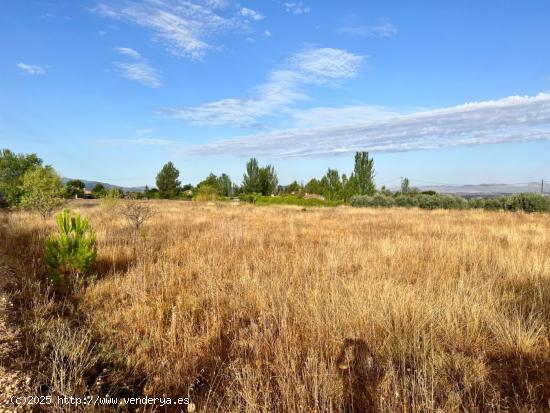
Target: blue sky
<point>443,92</point>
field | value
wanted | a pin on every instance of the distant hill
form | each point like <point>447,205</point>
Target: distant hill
<point>90,184</point>
<point>468,191</point>
<point>485,189</point>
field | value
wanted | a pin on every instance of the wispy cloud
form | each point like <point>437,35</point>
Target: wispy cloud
<point>145,131</point>
<point>321,117</point>
<point>134,142</point>
<point>282,89</point>
<point>250,14</point>
<point>296,8</point>
<point>184,27</point>
<point>217,4</point>
<point>128,52</point>
<point>383,29</point>
<point>137,68</point>
<point>31,69</point>
<point>512,119</point>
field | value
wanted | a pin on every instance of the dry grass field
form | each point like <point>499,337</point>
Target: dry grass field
<point>280,309</point>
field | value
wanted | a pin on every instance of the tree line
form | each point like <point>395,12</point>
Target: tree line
<point>263,180</point>
<point>26,182</point>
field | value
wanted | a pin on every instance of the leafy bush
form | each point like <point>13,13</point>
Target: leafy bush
<point>206,193</point>
<point>527,202</point>
<point>406,201</point>
<point>374,201</point>
<point>71,252</point>
<point>294,200</point>
<point>251,198</point>
<point>112,197</point>
<point>441,202</point>
<point>41,190</point>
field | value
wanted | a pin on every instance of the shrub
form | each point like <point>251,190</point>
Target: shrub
<point>527,202</point>
<point>492,204</point>
<point>42,190</point>
<point>206,193</point>
<point>441,201</point>
<point>71,252</point>
<point>374,201</point>
<point>406,201</point>
<point>294,200</point>
<point>422,201</point>
<point>112,197</point>
<point>251,198</point>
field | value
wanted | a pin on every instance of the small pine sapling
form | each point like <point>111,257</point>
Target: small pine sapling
<point>70,253</point>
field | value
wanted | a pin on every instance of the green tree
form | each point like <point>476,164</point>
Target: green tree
<point>349,187</point>
<point>211,181</point>
<point>73,188</point>
<point>222,184</point>
<point>331,185</point>
<point>314,187</point>
<point>167,181</point>
<point>268,180</point>
<point>251,179</point>
<point>99,190</point>
<point>42,190</point>
<point>294,187</point>
<point>363,172</point>
<point>405,186</point>
<point>151,193</point>
<point>12,168</point>
<point>225,185</point>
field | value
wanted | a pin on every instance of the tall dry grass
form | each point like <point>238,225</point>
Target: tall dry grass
<point>279,309</point>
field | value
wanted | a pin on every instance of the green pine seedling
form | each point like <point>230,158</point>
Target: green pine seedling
<point>71,252</point>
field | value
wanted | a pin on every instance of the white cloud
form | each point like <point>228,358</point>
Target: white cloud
<point>31,69</point>
<point>326,63</point>
<point>384,29</point>
<point>144,131</point>
<point>134,142</point>
<point>250,14</point>
<point>128,52</point>
<point>512,119</point>
<point>267,33</point>
<point>283,88</point>
<point>140,72</point>
<point>296,8</point>
<point>137,68</point>
<point>322,117</point>
<point>184,27</point>
<point>217,4</point>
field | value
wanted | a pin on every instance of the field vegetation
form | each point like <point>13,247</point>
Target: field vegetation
<point>286,309</point>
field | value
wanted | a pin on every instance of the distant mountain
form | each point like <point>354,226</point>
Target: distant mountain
<point>90,184</point>
<point>486,189</point>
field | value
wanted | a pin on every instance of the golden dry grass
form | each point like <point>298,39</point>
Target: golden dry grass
<point>278,309</point>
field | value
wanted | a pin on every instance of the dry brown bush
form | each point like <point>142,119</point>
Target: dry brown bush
<point>276,309</point>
